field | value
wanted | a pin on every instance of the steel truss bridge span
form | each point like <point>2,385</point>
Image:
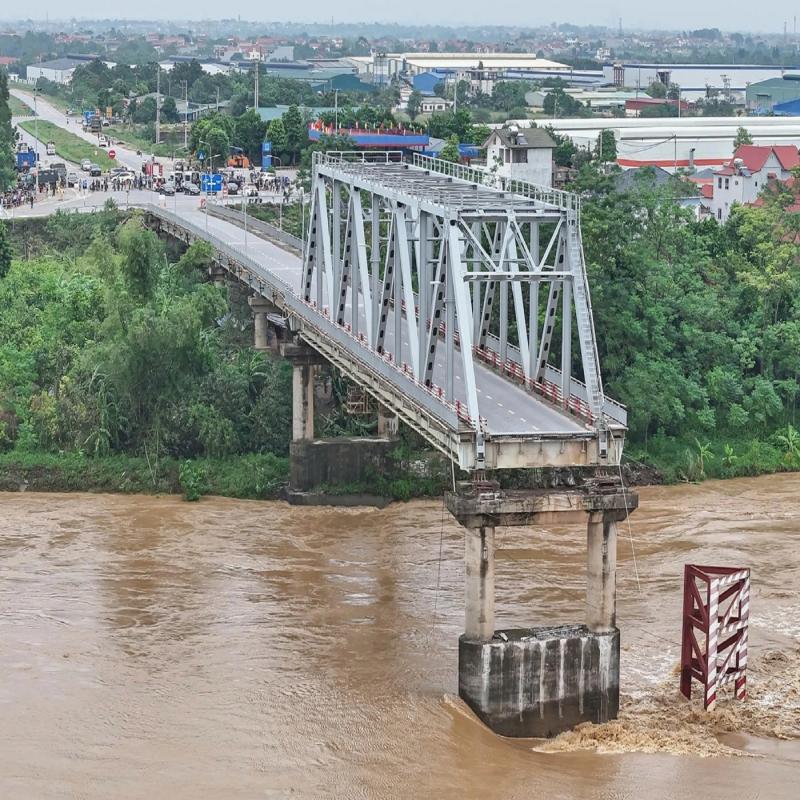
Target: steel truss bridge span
<point>441,292</point>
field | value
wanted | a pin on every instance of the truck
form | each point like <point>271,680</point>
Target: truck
<point>26,159</point>
<point>95,124</point>
<point>153,169</point>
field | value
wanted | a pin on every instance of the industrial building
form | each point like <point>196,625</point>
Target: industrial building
<point>481,70</point>
<point>674,143</point>
<point>695,80</point>
<point>763,96</point>
<point>59,70</point>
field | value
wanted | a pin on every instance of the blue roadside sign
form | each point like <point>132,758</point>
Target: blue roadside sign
<point>201,156</point>
<point>210,183</point>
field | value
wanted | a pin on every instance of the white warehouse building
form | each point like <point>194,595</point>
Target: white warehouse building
<point>59,70</point>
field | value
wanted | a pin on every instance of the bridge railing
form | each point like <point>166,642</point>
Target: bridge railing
<point>463,172</point>
<point>358,157</point>
<point>452,415</point>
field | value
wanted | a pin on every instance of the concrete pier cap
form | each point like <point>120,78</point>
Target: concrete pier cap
<point>542,680</point>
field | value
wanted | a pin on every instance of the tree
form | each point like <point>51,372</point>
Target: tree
<point>145,111</point>
<point>414,104</point>
<point>7,138</point>
<point>742,137</point>
<point>277,135</point>
<point>657,90</point>
<point>249,132</point>
<point>219,145</point>
<point>296,133</point>
<point>169,110</point>
<point>606,148</point>
<point>450,150</point>
<point>557,103</point>
<point>5,251</point>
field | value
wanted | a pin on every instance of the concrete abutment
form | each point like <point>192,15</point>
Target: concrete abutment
<point>542,680</point>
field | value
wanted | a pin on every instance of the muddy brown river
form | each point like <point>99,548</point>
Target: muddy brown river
<point>152,648</point>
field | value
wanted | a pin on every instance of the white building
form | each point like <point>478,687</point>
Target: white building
<point>430,105</point>
<point>743,178</point>
<point>59,70</point>
<point>524,154</point>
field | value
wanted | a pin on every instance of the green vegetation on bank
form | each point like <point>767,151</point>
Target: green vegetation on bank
<point>698,326</point>
<point>253,476</point>
<point>120,363</point>
<point>18,108</point>
<point>68,145</point>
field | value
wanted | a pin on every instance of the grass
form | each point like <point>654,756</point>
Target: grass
<point>135,140</point>
<point>250,476</point>
<point>18,108</point>
<point>54,99</point>
<point>68,145</point>
<point>679,460</point>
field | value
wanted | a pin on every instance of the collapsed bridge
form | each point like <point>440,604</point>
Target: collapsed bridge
<point>455,298</point>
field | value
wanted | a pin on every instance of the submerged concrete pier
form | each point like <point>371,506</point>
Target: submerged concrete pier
<point>540,681</point>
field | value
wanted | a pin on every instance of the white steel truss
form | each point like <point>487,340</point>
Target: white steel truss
<point>437,270</point>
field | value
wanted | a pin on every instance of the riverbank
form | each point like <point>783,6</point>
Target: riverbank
<point>254,476</point>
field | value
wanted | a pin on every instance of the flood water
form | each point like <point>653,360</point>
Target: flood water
<point>152,648</point>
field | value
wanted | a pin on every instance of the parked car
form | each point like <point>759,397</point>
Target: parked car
<point>73,179</point>
<point>86,165</point>
<point>95,171</point>
<point>167,189</point>
<point>191,188</point>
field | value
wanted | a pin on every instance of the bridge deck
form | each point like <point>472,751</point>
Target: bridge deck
<point>508,409</point>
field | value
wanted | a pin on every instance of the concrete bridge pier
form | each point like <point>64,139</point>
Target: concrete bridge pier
<point>261,308</point>
<point>388,423</point>
<point>540,681</point>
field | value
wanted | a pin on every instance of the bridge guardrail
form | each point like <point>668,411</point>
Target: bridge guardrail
<point>427,398</point>
<point>257,226</point>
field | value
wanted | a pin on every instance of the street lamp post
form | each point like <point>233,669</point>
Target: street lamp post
<point>36,136</point>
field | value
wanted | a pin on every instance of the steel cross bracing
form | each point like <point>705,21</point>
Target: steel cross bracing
<point>473,359</point>
<point>458,259</point>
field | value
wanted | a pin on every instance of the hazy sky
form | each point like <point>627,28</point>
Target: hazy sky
<point>674,15</point>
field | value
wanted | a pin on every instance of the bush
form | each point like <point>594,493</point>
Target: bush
<point>192,481</point>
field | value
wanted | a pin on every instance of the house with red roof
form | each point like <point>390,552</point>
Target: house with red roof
<point>743,178</point>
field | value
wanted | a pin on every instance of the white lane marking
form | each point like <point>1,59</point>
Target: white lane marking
<point>488,397</point>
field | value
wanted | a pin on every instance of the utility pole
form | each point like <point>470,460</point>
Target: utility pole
<point>158,102</point>
<point>36,136</point>
<point>256,67</point>
<point>217,99</point>
<point>186,115</point>
<point>336,109</point>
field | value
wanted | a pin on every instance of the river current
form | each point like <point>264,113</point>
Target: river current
<point>152,648</point>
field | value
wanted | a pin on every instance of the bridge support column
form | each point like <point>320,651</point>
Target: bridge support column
<point>388,424</point>
<point>479,589</point>
<point>260,309</point>
<point>302,402</point>
<point>540,681</point>
<point>601,573</point>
